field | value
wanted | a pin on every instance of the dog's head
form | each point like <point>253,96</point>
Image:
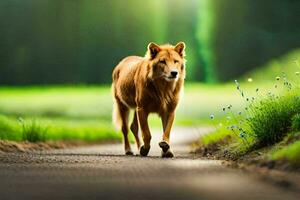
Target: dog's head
<point>167,62</point>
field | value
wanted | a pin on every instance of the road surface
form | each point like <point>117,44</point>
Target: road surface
<point>103,172</point>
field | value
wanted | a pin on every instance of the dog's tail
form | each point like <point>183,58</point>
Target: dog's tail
<point>116,115</point>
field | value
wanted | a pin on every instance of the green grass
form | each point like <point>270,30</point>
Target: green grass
<point>33,131</point>
<point>57,101</point>
<point>84,112</point>
<point>290,153</point>
<point>264,116</point>
<point>271,118</point>
<point>10,129</point>
<point>94,102</point>
<point>44,129</point>
<point>215,137</point>
<point>264,121</point>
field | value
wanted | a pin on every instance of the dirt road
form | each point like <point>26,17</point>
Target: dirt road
<point>103,172</point>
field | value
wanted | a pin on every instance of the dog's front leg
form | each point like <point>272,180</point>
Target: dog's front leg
<point>143,122</point>
<point>167,121</point>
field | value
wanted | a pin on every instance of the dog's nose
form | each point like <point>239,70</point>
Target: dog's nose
<point>174,73</point>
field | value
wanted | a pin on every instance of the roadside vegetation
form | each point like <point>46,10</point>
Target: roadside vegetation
<point>84,112</point>
<point>43,129</point>
<point>266,115</point>
<point>268,122</point>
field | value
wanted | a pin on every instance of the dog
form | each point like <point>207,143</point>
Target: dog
<point>149,84</point>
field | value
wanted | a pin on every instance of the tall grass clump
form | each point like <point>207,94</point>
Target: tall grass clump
<point>32,131</point>
<point>271,119</point>
<point>266,117</point>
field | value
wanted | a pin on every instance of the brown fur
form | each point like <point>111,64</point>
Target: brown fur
<point>149,85</point>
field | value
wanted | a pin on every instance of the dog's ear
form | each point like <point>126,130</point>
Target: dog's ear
<point>180,48</point>
<point>153,50</point>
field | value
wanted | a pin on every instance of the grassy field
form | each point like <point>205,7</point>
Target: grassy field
<point>84,112</point>
<point>56,113</point>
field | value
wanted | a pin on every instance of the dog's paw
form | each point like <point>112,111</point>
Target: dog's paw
<point>129,153</point>
<point>144,151</point>
<point>167,154</point>
<point>164,146</point>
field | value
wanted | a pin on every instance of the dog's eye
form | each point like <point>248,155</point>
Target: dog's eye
<point>182,67</point>
<point>162,62</point>
<point>176,61</point>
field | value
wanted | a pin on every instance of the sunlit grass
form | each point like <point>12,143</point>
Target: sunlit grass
<point>263,118</point>
<point>10,129</point>
<point>42,129</point>
<point>215,137</point>
<point>84,112</point>
<point>56,101</point>
<point>290,153</point>
<point>95,102</point>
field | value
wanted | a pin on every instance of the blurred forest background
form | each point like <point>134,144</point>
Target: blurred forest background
<point>80,41</point>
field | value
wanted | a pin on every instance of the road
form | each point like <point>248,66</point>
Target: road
<point>103,172</point>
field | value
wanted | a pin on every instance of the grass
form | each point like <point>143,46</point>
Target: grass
<point>94,102</point>
<point>9,129</point>
<point>290,153</point>
<point>84,112</point>
<point>44,129</point>
<point>265,120</point>
<point>32,131</point>
<point>270,119</point>
<point>266,115</point>
<point>215,137</point>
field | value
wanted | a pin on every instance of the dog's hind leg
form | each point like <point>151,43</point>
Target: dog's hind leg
<point>143,122</point>
<point>134,127</point>
<point>124,113</point>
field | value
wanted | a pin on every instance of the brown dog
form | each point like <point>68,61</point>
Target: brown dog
<point>150,84</point>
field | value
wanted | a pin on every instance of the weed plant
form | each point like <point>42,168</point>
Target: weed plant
<point>33,131</point>
<point>266,117</point>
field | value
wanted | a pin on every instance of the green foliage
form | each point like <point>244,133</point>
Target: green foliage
<point>33,131</point>
<point>9,129</point>
<point>84,112</point>
<point>45,129</point>
<point>77,129</point>
<point>296,122</point>
<point>266,117</point>
<point>80,42</point>
<point>205,35</point>
<point>92,103</point>
<point>290,153</point>
<point>216,137</point>
<point>271,118</point>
